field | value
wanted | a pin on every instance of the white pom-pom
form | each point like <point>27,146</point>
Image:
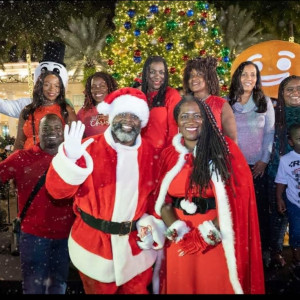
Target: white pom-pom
<point>103,108</point>
<point>189,207</point>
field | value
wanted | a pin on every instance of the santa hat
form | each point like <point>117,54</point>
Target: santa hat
<point>54,51</point>
<point>125,100</point>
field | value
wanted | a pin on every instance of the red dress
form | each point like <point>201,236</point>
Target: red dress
<point>216,104</point>
<point>39,113</point>
<point>234,265</point>
<point>161,126</point>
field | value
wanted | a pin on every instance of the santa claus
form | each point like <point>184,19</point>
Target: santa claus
<point>114,239</point>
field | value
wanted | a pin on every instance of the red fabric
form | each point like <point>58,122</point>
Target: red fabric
<point>94,122</point>
<point>208,273</point>
<point>137,285</point>
<point>45,217</point>
<point>98,200</point>
<point>216,105</point>
<point>161,126</point>
<point>192,242</point>
<point>39,113</point>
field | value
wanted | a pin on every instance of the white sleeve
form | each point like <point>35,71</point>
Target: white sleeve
<point>13,108</point>
<point>281,176</point>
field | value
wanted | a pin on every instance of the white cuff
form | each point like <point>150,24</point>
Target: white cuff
<point>181,229</point>
<point>210,233</point>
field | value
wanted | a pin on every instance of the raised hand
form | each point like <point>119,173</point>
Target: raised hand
<point>73,137</point>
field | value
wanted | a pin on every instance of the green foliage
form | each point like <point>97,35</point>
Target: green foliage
<point>238,27</point>
<point>84,40</point>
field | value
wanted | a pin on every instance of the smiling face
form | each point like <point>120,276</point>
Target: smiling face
<point>156,76</point>
<point>291,93</point>
<point>190,123</point>
<point>99,89</point>
<point>248,78</point>
<point>275,59</point>
<point>125,128</point>
<point>197,84</point>
<point>51,87</point>
<point>51,133</point>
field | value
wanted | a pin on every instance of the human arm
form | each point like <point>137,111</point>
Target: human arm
<point>190,239</point>
<point>21,138</point>
<point>280,202</point>
<point>72,115</point>
<point>228,122</point>
<point>13,108</point>
<point>64,175</point>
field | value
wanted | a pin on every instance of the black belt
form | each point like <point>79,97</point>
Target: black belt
<point>108,226</point>
<point>203,204</point>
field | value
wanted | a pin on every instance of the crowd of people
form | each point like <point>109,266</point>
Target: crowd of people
<point>143,185</point>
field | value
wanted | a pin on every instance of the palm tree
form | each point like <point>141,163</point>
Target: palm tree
<point>239,31</point>
<point>84,40</point>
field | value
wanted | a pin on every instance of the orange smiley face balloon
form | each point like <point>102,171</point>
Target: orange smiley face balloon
<point>275,59</point>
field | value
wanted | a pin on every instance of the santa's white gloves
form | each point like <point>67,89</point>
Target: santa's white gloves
<point>72,144</point>
<point>191,240</point>
<point>150,232</point>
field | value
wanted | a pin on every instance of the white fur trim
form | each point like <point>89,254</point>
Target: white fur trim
<point>181,228</point>
<point>172,173</point>
<point>123,268</point>
<point>227,232</point>
<point>156,271</point>
<point>126,104</point>
<point>68,170</point>
<point>188,206</point>
<point>157,228</point>
<point>206,228</point>
<point>103,108</point>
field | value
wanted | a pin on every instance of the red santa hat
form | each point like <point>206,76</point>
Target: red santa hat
<point>125,100</point>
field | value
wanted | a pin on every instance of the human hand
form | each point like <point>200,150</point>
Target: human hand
<point>259,169</point>
<point>72,140</point>
<point>281,208</point>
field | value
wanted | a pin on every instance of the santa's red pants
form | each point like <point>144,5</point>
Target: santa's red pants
<point>137,285</point>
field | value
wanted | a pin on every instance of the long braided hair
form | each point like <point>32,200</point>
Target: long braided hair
<point>159,99</point>
<point>206,65</point>
<point>38,97</point>
<point>112,85</point>
<point>211,147</point>
<point>236,88</point>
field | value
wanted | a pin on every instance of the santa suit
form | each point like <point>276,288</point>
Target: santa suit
<point>238,222</point>
<point>112,182</point>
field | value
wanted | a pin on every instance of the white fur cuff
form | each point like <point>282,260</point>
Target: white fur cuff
<point>210,233</point>
<point>177,230</point>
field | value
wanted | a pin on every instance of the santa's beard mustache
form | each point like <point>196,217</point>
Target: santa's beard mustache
<point>124,136</point>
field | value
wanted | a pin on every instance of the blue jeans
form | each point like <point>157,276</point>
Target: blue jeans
<point>293,212</point>
<point>44,264</point>
<point>278,222</point>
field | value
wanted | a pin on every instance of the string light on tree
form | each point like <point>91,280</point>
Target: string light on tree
<point>176,30</point>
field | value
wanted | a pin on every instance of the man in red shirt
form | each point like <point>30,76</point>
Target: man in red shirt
<point>46,225</point>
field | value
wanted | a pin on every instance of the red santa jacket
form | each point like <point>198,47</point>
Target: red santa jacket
<point>111,182</point>
<point>237,215</point>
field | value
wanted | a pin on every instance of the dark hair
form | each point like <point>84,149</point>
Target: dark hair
<point>292,129</point>
<point>112,85</point>
<point>211,147</point>
<point>159,99</point>
<point>38,97</point>
<point>236,89</point>
<point>280,120</point>
<point>208,66</point>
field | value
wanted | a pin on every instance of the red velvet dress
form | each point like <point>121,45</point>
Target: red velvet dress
<point>234,265</point>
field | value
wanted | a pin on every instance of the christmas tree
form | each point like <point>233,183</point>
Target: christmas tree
<point>176,30</point>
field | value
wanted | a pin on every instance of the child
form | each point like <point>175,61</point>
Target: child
<point>288,181</point>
